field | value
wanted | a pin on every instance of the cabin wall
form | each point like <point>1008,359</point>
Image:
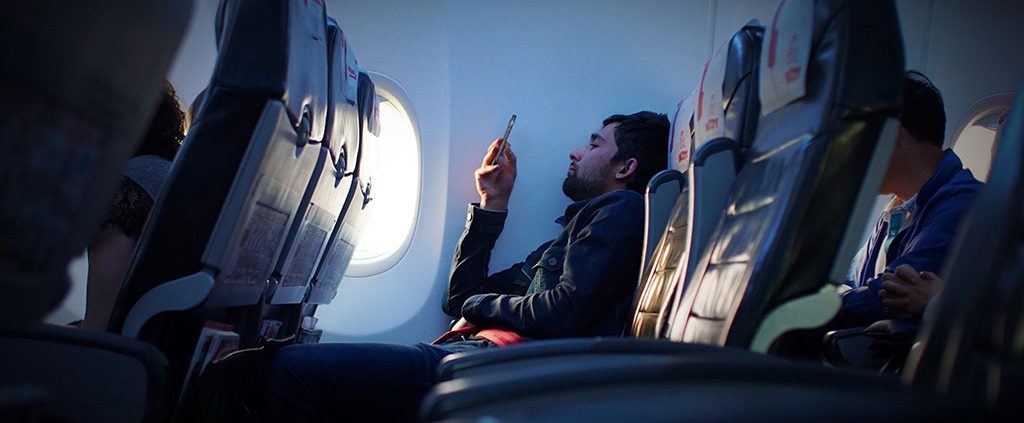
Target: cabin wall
<point>409,42</point>
<point>973,51</point>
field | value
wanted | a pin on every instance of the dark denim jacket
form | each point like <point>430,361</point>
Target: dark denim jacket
<point>941,203</point>
<point>580,283</point>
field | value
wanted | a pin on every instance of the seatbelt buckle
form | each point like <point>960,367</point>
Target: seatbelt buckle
<point>461,334</point>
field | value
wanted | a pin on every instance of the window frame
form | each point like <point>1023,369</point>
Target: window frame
<point>985,107</point>
<point>392,92</point>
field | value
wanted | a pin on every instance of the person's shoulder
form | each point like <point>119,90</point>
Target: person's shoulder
<point>620,201</point>
<point>954,197</point>
<point>961,188</point>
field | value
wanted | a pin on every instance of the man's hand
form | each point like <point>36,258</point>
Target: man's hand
<point>905,293</point>
<point>495,182</point>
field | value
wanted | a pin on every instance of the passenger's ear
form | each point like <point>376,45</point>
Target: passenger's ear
<point>626,169</point>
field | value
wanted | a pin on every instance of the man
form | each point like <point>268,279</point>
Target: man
<point>578,284</point>
<point>931,190</point>
<point>907,293</point>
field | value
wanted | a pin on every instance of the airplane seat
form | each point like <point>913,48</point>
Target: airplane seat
<point>342,112</point>
<point>716,147</point>
<point>71,116</point>
<point>794,215</point>
<point>659,197</point>
<point>237,184</point>
<point>329,192</point>
<point>722,137</point>
<point>659,282</point>
<point>665,201</point>
<point>88,376</point>
<point>881,346</point>
<point>966,364</point>
<point>794,212</point>
<point>335,262</point>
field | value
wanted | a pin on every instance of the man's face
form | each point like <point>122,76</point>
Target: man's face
<point>896,161</point>
<point>591,172</point>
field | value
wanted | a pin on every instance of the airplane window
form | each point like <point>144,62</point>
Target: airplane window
<point>976,134</point>
<point>974,146</point>
<point>975,142</point>
<point>395,186</point>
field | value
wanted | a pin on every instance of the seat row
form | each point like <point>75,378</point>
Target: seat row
<point>256,223</point>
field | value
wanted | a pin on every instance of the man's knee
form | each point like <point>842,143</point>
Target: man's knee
<point>351,380</point>
<point>288,368</point>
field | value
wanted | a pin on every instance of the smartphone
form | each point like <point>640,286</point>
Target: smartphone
<point>504,140</point>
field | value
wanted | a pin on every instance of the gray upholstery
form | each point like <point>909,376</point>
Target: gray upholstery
<point>662,191</point>
<point>343,239</point>
<point>716,161</point>
<point>333,180</point>
<point>88,376</point>
<point>653,294</point>
<point>797,197</point>
<point>322,244</point>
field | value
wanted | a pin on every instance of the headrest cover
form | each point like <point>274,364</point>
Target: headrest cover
<point>709,122</point>
<point>682,136</point>
<point>786,54</point>
<point>149,172</point>
<point>351,85</point>
<point>371,101</point>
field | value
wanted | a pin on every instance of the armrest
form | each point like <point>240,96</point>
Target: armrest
<point>706,387</point>
<point>98,375</point>
<point>625,382</point>
<point>882,345</point>
<point>24,404</point>
<point>457,365</point>
<point>896,330</point>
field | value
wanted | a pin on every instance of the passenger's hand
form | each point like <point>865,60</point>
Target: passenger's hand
<point>495,182</point>
<point>905,293</point>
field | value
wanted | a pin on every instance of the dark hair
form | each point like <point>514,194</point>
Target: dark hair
<point>924,115</point>
<point>167,129</point>
<point>644,137</point>
<point>131,204</point>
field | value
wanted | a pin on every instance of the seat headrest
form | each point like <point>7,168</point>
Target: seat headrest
<point>284,62</point>
<point>681,143</point>
<point>709,116</point>
<point>348,66</point>
<point>343,85</point>
<point>722,104</point>
<point>369,104</point>
<point>786,53</point>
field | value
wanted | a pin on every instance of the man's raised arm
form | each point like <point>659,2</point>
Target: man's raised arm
<point>484,224</point>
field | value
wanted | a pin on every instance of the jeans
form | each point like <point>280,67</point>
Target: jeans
<point>354,382</point>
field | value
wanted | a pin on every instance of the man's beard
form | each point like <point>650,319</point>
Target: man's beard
<point>577,188</point>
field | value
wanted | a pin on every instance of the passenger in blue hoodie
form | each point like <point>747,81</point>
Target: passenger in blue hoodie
<point>931,194</point>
